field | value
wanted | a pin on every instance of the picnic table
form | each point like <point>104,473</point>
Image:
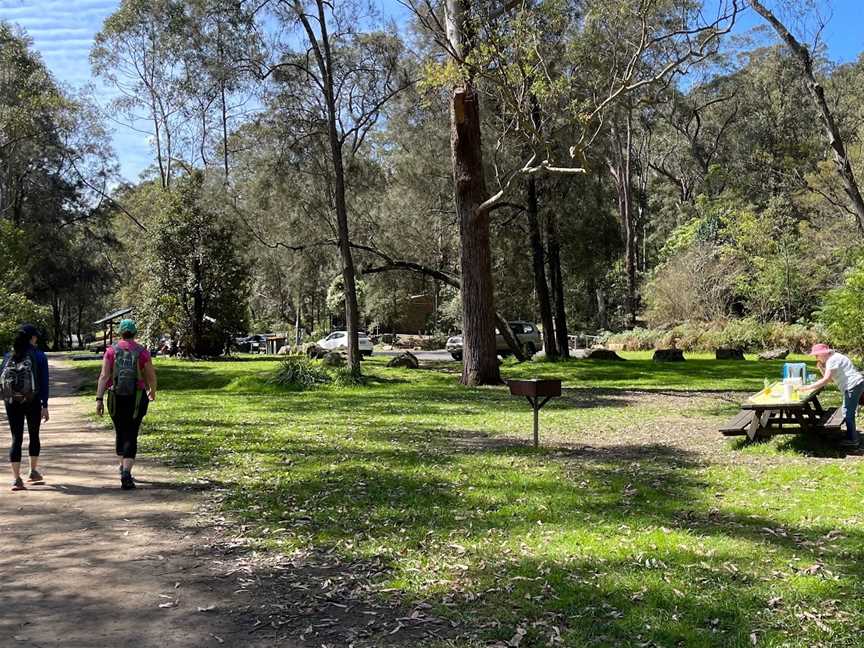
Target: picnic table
<point>769,412</point>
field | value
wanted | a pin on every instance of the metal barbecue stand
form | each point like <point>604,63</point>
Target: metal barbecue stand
<point>535,390</point>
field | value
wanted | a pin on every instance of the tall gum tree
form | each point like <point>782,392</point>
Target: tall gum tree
<point>480,361</point>
<point>663,40</point>
<point>832,133</point>
<point>137,52</point>
<point>345,76</point>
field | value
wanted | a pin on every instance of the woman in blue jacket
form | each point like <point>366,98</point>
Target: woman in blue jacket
<point>24,385</point>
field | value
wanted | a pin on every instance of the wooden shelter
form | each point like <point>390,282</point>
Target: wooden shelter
<point>107,323</point>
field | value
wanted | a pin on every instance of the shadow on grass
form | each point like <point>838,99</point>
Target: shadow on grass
<point>811,445</point>
<point>805,444</point>
<point>620,545</point>
<point>581,498</point>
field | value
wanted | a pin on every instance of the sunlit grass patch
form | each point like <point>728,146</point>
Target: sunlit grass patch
<point>635,524</point>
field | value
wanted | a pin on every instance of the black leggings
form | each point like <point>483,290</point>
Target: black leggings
<point>17,413</point>
<point>127,425</point>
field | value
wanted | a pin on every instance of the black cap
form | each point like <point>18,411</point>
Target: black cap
<point>29,329</point>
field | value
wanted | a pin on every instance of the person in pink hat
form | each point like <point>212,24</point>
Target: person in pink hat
<point>839,368</point>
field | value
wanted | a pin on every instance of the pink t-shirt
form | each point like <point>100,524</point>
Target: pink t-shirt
<point>127,345</point>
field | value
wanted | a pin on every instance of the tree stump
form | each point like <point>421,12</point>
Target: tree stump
<point>668,355</point>
<point>774,354</point>
<point>729,354</point>
<point>406,360</point>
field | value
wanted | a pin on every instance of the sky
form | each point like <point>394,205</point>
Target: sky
<point>63,31</point>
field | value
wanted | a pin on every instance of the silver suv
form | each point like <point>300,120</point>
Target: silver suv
<point>526,333</point>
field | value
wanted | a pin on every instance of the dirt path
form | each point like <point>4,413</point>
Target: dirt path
<point>85,564</point>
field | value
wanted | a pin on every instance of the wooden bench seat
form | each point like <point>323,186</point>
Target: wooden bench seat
<point>738,425</point>
<point>834,422</point>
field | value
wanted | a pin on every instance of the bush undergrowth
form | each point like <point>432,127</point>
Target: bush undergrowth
<point>299,373</point>
<point>747,334</point>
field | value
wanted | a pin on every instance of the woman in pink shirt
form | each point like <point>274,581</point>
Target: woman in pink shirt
<point>129,377</point>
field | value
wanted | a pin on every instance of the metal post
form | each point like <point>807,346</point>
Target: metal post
<point>536,423</point>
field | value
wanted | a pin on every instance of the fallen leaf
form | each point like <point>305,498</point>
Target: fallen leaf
<point>517,638</point>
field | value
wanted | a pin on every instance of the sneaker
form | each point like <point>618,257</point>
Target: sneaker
<point>18,485</point>
<point>35,477</point>
<point>126,481</point>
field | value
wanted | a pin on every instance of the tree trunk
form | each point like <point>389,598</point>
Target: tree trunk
<point>197,313</point>
<point>538,255</point>
<point>298,337</point>
<point>602,317</point>
<point>630,246</point>
<point>224,128</point>
<point>57,316</point>
<point>479,353</point>
<point>352,315</point>
<point>553,245</point>
<point>630,243</point>
<point>480,360</point>
<point>69,324</point>
<point>79,326</point>
<point>817,93</point>
<point>621,169</point>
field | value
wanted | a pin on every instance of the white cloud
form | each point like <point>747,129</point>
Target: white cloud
<point>63,31</point>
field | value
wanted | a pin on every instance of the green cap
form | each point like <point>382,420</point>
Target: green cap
<point>128,326</point>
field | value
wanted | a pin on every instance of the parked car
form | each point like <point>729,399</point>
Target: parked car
<point>526,333</point>
<point>338,340</point>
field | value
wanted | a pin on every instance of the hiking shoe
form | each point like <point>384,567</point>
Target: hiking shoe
<point>18,485</point>
<point>35,477</point>
<point>126,481</point>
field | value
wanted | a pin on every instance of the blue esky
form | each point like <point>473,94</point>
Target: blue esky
<point>63,31</point>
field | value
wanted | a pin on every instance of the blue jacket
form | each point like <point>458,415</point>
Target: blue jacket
<point>42,373</point>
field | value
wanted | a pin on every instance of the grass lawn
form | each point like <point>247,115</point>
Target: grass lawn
<point>636,524</point>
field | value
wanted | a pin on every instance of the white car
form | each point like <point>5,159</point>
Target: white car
<point>338,340</point>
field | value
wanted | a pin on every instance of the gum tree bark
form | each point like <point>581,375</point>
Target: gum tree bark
<point>480,360</point>
<point>621,168</point>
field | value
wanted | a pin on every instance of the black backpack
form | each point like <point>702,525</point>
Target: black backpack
<point>18,381</point>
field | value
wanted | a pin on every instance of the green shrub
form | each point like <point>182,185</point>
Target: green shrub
<point>842,312</point>
<point>299,373</point>
<point>796,337</point>
<point>344,377</point>
<point>433,343</point>
<point>747,334</point>
<point>16,309</point>
<point>637,339</point>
